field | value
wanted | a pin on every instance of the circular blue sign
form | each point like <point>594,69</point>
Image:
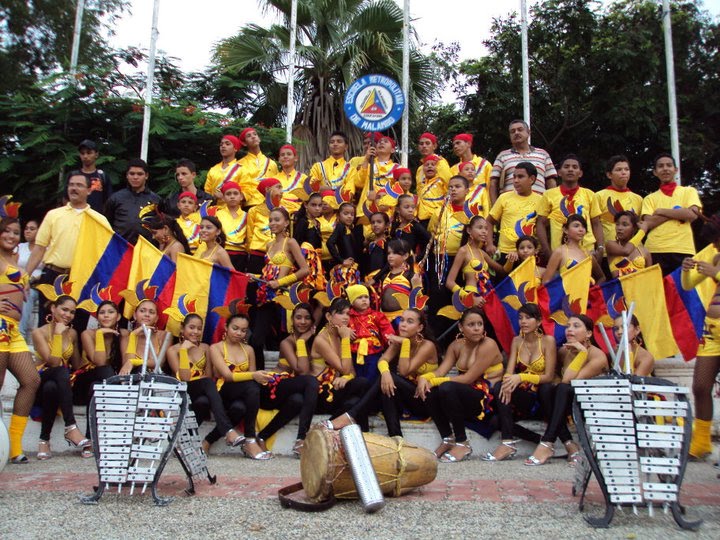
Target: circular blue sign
<point>374,102</point>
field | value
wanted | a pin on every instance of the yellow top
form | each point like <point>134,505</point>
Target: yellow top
<point>556,207</point>
<point>217,176</point>
<point>610,202</point>
<point>483,168</point>
<point>516,216</point>
<point>235,229</point>
<point>335,172</point>
<point>673,236</point>
<point>258,228</point>
<point>190,227</point>
<point>253,168</point>
<point>537,366</point>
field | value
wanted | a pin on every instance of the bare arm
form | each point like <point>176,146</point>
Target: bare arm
<point>553,265</point>
<point>457,265</point>
<point>541,231</point>
<point>36,257</point>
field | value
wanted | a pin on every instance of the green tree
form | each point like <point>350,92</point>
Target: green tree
<point>338,41</point>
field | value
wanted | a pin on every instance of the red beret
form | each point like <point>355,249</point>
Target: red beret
<point>374,135</point>
<point>464,137</point>
<point>187,194</point>
<point>244,133</point>
<point>288,147</point>
<point>266,184</point>
<point>234,140</point>
<point>227,186</point>
<point>399,171</point>
<point>429,136</point>
<point>390,139</point>
<point>431,157</point>
<point>462,165</point>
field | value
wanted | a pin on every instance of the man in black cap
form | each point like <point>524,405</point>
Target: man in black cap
<point>100,185</point>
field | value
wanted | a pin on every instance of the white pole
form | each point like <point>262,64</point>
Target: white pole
<point>525,63</point>
<point>150,81</point>
<point>670,68</point>
<point>405,84</point>
<point>75,52</point>
<point>291,74</point>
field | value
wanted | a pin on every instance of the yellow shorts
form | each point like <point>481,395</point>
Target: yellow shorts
<point>11,339</point>
<point>710,342</point>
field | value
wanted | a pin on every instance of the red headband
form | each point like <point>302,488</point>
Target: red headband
<point>234,140</point>
<point>244,134</point>
<point>399,171</point>
<point>390,140</point>
<point>464,137</point>
<point>429,136</point>
<point>227,186</point>
<point>187,194</point>
<point>266,184</point>
<point>431,157</point>
<point>288,147</point>
<point>461,166</point>
<point>374,135</point>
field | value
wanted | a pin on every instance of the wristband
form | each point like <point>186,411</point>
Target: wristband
<point>132,344</point>
<point>530,377</point>
<point>348,377</point>
<point>242,376</point>
<point>405,348</point>
<point>56,346</point>
<point>638,238</point>
<point>578,361</point>
<point>300,348</point>
<point>437,381</point>
<point>383,366</point>
<point>287,280</point>
<point>428,376</point>
<point>184,361</point>
<point>345,351</point>
<point>99,341</point>
<point>717,277</point>
<point>136,361</point>
<point>456,288</point>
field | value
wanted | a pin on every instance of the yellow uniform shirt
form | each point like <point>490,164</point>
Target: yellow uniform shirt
<point>335,173</point>
<point>516,216</point>
<point>59,233</point>
<point>382,173</point>
<point>673,236</point>
<point>556,207</point>
<point>432,191</point>
<point>327,226</point>
<point>253,168</point>
<point>610,202</point>
<point>190,227</point>
<point>217,176</point>
<point>258,234</point>
<point>447,228</point>
<point>442,169</point>
<point>355,165</point>
<point>483,169</point>
<point>235,229</point>
<point>290,182</point>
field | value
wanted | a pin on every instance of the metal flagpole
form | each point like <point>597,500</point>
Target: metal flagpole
<point>75,52</point>
<point>670,68</point>
<point>291,74</point>
<point>525,66</point>
<point>149,81</point>
<point>406,83</point>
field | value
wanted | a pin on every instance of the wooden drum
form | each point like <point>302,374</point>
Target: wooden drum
<point>399,466</point>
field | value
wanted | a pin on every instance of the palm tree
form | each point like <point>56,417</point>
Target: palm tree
<point>338,41</point>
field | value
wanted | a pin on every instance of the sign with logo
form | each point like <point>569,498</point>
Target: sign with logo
<point>374,102</point>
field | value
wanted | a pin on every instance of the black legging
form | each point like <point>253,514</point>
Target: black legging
<point>522,402</point>
<point>55,392</point>
<point>84,388</point>
<point>404,398</point>
<point>242,402</point>
<point>557,425</point>
<point>264,321</point>
<point>293,396</point>
<point>205,387</point>
<point>344,399</point>
<point>451,404</point>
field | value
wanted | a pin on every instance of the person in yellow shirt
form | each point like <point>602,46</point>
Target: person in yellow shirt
<point>431,189</point>
<point>290,178</point>
<point>356,162</point>
<point>335,171</point>
<point>189,219</point>
<point>462,148</point>
<point>668,213</point>
<point>515,212</point>
<point>228,170</point>
<point>617,197</point>
<point>258,226</point>
<point>427,146</point>
<point>563,201</point>
<point>254,167</point>
<point>383,167</point>
<point>326,223</point>
<point>234,225</point>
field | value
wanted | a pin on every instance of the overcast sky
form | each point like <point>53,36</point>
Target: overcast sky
<point>188,29</point>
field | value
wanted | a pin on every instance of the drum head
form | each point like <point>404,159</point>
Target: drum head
<point>316,464</point>
<point>4,445</point>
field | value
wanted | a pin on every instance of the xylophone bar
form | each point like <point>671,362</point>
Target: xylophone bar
<point>609,422</point>
<point>659,428</point>
<point>658,389</point>
<point>609,430</point>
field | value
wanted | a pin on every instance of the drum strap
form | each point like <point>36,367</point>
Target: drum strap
<point>291,498</point>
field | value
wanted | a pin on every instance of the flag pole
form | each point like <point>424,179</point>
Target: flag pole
<point>75,52</point>
<point>405,83</point>
<point>525,63</point>
<point>149,81</point>
<point>291,74</point>
<point>670,69</point>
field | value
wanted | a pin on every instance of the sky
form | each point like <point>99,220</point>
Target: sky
<point>189,33</point>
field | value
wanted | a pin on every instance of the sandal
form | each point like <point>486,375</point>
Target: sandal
<point>447,457</point>
<point>262,455</point>
<point>447,444</point>
<point>82,443</point>
<point>298,448</point>
<point>20,459</point>
<point>87,451</point>
<point>574,456</point>
<point>328,424</point>
<point>205,446</point>
<point>511,444</point>
<point>44,450</point>
<point>533,461</point>
<point>234,441</point>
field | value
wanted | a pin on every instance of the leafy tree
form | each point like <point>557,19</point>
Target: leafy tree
<point>338,41</point>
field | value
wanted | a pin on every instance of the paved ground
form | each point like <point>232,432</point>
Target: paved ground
<point>470,499</point>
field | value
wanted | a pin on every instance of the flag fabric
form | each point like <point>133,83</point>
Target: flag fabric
<point>564,295</point>
<point>203,286</point>
<point>606,302</point>
<point>148,263</point>
<point>503,302</point>
<point>102,261</point>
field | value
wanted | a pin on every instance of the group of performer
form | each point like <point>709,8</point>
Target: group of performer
<point>340,261</point>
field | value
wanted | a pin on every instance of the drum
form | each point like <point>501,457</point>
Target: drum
<point>399,466</point>
<point>4,444</point>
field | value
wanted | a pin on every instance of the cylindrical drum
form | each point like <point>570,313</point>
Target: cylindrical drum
<point>399,466</point>
<point>4,445</point>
